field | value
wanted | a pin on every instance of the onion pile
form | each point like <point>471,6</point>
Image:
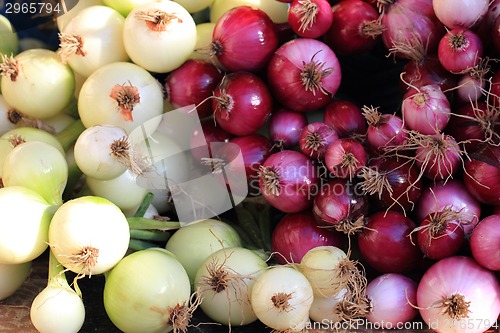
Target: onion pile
<point>209,156</point>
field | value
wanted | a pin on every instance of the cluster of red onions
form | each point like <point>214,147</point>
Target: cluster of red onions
<point>415,190</point>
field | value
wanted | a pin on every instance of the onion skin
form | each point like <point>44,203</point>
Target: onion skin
<point>285,127</point>
<point>345,117</point>
<point>484,242</point>
<point>325,134</point>
<point>463,276</point>
<point>244,39</point>
<point>460,13</point>
<point>339,152</point>
<point>297,233</point>
<point>482,174</point>
<point>385,243</point>
<point>284,74</point>
<point>321,21</point>
<point>460,50</point>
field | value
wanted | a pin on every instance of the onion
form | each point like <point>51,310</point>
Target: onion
<point>392,183</point>
<point>449,195</point>
<point>471,87</point>
<point>426,110</point>
<point>386,243</point>
<point>345,117</point>
<point>441,234</point>
<point>297,233</point>
<point>226,279</point>
<point>482,174</point>
<point>193,83</point>
<point>127,95</point>
<point>310,18</point>
<point>12,277</point>
<point>345,158</point>
<point>355,28</point>
<point>195,242</point>
<point>36,83</point>
<point>315,138</point>
<point>159,36</point>
<point>391,298</point>
<point>281,298</point>
<point>410,22</point>
<point>456,294</point>
<point>242,103</point>
<point>460,50</point>
<point>484,242</point>
<point>201,140</point>
<point>384,130</point>
<point>149,291</point>
<point>425,69</point>
<point>123,6</point>
<point>285,127</point>
<point>63,18</point>
<point>85,46</point>
<point>89,235</point>
<point>338,205</point>
<point>460,13</point>
<point>244,39</point>
<point>289,181</point>
<point>278,12</point>
<point>304,74</point>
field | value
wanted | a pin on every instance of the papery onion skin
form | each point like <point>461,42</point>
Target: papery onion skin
<point>322,134</point>
<point>287,65</point>
<point>386,245</point>
<point>345,117</point>
<point>426,110</point>
<point>389,130</point>
<point>484,242</point>
<point>192,83</point>
<point>482,174</point>
<point>244,39</point>
<point>440,158</point>
<point>242,103</point>
<point>450,194</point>
<point>463,276</point>
<point>289,181</point>
<point>392,297</point>
<point>200,140</point>
<point>297,233</point>
<point>345,157</point>
<point>460,13</point>
<point>314,27</point>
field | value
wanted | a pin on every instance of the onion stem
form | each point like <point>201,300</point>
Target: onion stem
<point>57,278</point>
<point>138,245</point>
<point>148,198</point>
<point>142,223</point>
<point>68,136</point>
<point>149,235</point>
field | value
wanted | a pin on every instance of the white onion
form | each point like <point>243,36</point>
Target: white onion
<point>281,299</point>
<point>92,39</point>
<point>194,6</point>
<point>159,47</point>
<point>324,308</point>
<point>12,278</point>
<point>89,235</point>
<point>120,78</point>
<point>63,19</point>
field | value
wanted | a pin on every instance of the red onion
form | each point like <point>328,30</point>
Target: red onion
<point>345,158</point>
<point>338,205</point>
<point>460,50</point>
<point>392,184</point>
<point>456,294</point>
<point>438,155</point>
<point>355,28</point>
<point>310,18</point>
<point>285,127</point>
<point>315,138</point>
<point>441,234</point>
<point>289,181</point>
<point>242,103</point>
<point>426,110</point>
<point>254,149</point>
<point>200,140</point>
<point>391,296</point>
<point>244,39</point>
<point>494,94</point>
<point>424,70</point>
<point>460,13</point>
<point>471,87</point>
<point>475,122</point>
<point>193,83</point>
<point>484,242</point>
<point>345,117</point>
<point>449,195</point>
<point>482,174</point>
<point>386,243</point>
<point>410,22</point>
<point>384,130</point>
<point>297,233</point>
<point>304,74</point>
<point>495,36</point>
